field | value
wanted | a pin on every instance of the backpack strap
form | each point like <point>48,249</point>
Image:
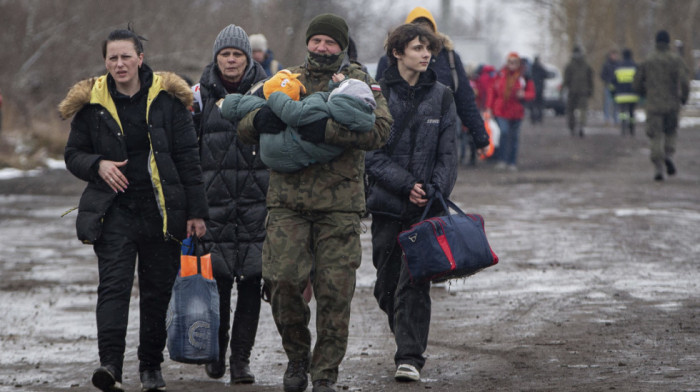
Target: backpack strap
<point>453,68</point>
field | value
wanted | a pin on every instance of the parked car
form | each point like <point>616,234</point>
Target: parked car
<point>554,97</point>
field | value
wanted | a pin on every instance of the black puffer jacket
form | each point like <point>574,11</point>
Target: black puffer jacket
<point>174,163</point>
<point>236,184</point>
<point>426,151</point>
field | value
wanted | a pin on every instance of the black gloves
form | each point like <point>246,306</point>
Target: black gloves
<point>266,121</point>
<point>314,132</point>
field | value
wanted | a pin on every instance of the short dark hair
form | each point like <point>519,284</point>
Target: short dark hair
<point>627,54</point>
<point>127,34</point>
<point>400,37</point>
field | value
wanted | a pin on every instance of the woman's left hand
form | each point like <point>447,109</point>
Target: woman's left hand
<point>196,226</point>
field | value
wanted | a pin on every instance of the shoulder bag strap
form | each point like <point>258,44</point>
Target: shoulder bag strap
<point>404,123</point>
<point>453,68</point>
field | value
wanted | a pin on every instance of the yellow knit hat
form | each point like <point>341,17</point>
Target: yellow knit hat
<point>286,82</point>
<point>420,12</point>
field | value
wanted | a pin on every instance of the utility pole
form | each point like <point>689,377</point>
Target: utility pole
<point>445,12</point>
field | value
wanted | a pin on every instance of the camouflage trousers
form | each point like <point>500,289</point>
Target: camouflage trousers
<point>662,130</point>
<point>330,243</point>
<point>576,111</point>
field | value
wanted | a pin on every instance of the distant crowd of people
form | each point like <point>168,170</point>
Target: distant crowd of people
<point>273,168</point>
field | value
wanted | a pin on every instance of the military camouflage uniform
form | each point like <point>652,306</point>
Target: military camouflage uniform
<point>314,219</point>
<point>578,79</point>
<point>662,79</point>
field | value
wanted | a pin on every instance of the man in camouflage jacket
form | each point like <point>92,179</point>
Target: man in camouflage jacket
<point>314,216</point>
<point>578,80</point>
<point>662,79</point>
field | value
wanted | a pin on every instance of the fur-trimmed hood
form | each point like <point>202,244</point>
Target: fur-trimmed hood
<point>446,41</point>
<point>81,93</point>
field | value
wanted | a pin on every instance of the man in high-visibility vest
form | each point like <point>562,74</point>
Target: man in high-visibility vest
<point>625,96</point>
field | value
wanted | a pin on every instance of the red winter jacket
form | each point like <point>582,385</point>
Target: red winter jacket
<point>510,108</point>
<point>483,85</point>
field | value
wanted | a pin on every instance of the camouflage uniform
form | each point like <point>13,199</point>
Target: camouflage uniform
<point>578,79</point>
<point>314,220</point>
<point>663,80</point>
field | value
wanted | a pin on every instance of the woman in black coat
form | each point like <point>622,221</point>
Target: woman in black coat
<point>133,141</point>
<point>236,183</point>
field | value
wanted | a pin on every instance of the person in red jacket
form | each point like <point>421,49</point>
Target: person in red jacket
<point>511,88</point>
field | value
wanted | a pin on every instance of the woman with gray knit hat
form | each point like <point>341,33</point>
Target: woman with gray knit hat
<point>236,185</point>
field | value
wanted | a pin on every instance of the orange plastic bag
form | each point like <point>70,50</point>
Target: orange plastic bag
<point>188,263</point>
<point>494,133</point>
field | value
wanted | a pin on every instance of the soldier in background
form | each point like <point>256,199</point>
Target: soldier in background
<point>578,80</point>
<point>663,80</point>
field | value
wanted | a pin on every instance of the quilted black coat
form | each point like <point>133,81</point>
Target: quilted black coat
<point>235,181</point>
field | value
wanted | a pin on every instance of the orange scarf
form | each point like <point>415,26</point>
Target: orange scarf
<point>511,79</point>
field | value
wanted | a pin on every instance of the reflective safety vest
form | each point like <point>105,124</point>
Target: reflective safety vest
<point>622,84</point>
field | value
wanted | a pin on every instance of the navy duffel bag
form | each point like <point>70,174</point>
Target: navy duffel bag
<point>446,247</point>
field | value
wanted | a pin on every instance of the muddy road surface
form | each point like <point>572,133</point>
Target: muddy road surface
<point>597,288</point>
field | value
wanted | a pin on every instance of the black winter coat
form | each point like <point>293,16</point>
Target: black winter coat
<point>236,183</point>
<point>426,151</point>
<point>463,94</point>
<point>96,135</point>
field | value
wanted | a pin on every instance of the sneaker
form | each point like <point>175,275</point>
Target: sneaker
<point>406,372</point>
<point>659,177</point>
<point>152,380</point>
<point>241,374</point>
<point>295,378</point>
<point>670,167</point>
<point>215,369</point>
<point>323,386</point>
<point>512,168</point>
<point>500,166</point>
<point>106,378</point>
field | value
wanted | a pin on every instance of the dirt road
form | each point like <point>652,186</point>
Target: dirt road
<point>597,288</point>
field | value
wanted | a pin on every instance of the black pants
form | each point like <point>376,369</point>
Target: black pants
<point>133,227</point>
<point>406,305</point>
<point>245,317</point>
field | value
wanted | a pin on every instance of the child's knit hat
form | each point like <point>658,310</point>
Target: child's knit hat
<point>356,88</point>
<point>286,82</point>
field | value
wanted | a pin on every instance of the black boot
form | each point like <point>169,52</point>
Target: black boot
<point>245,326</point>
<point>243,338</point>
<point>218,369</point>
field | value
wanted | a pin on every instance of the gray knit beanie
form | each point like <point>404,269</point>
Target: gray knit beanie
<point>357,89</point>
<point>233,36</point>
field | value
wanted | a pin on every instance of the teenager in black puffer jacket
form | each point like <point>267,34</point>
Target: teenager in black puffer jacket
<point>419,159</point>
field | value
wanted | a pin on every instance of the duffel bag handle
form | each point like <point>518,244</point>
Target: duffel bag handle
<point>445,204</point>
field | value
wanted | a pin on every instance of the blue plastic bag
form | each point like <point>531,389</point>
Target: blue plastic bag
<point>193,318</point>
